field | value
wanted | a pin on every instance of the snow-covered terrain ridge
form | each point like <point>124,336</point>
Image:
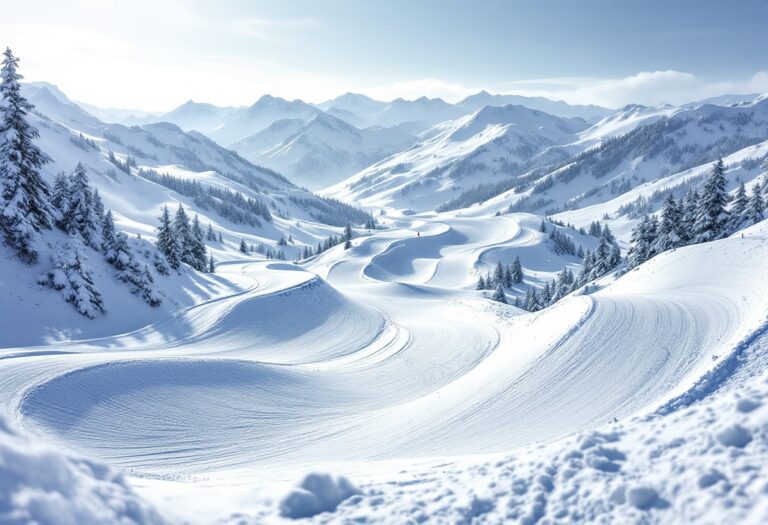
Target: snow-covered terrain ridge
<point>491,144</point>
<point>323,151</point>
<point>339,363</point>
<point>552,174</point>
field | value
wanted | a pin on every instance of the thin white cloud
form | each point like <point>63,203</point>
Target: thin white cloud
<point>647,87</point>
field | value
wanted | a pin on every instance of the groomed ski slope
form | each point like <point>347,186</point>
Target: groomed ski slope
<point>386,352</point>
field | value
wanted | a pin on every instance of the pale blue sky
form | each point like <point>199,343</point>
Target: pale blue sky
<point>157,54</point>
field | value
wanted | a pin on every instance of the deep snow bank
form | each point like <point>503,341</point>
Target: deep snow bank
<point>39,484</point>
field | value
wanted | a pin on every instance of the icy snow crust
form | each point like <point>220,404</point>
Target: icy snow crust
<point>370,359</point>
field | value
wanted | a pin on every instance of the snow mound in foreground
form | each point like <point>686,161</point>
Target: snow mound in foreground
<point>40,485</point>
<point>315,494</point>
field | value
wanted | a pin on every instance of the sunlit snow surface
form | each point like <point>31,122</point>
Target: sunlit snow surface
<point>643,401</point>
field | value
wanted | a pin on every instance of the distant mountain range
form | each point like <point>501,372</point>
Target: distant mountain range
<point>354,132</point>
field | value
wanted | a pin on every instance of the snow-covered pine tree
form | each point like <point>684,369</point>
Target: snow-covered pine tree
<point>606,256</point>
<point>595,230</point>
<point>711,215</point>
<point>81,215</point>
<point>182,230</point>
<point>347,236</point>
<point>756,207</point>
<point>117,252</point>
<point>480,283</point>
<point>738,212</point>
<point>210,235</point>
<point>690,206</point>
<point>498,295</point>
<point>220,239</point>
<point>546,294</point>
<point>167,243</point>
<point>508,280</point>
<point>244,247</point>
<point>70,275</point>
<point>671,231</point>
<point>643,242</point>
<point>198,250</point>
<point>149,291</point>
<point>211,264</point>
<point>25,198</point>
<point>60,197</point>
<point>498,275</point>
<point>517,270</point>
<point>98,205</point>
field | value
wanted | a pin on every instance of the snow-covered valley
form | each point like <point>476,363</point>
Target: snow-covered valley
<point>505,309</point>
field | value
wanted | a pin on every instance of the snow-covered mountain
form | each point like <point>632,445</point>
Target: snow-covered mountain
<point>320,152</point>
<point>635,145</point>
<point>494,143</point>
<point>590,113</point>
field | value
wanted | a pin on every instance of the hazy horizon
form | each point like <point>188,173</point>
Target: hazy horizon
<point>154,57</point>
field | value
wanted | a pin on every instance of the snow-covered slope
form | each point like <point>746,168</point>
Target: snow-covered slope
<point>490,145</point>
<point>374,356</point>
<point>321,152</point>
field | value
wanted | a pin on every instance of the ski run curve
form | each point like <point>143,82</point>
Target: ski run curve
<point>385,352</point>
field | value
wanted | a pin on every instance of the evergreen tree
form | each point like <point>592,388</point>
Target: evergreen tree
<point>167,243</point>
<point>149,291</point>
<point>711,216</point>
<point>690,207</point>
<point>198,255</point>
<point>498,295</point>
<point>210,235</point>
<point>221,239</point>
<point>244,247</point>
<point>643,242</point>
<point>595,230</point>
<point>508,280</point>
<point>25,206</point>
<point>347,236</point>
<point>606,256</point>
<point>480,283</point>
<point>183,232</point>
<point>98,205</point>
<point>671,230</point>
<point>498,275</point>
<point>70,274</point>
<point>546,294</point>
<point>756,207</point>
<point>60,197</point>
<point>738,210</point>
<point>211,265</point>
<point>115,244</point>
<point>517,271</point>
<point>81,215</point>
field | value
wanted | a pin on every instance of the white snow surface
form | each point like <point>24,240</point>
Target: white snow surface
<point>642,402</point>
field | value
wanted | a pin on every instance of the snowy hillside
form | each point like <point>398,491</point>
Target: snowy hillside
<point>321,152</point>
<point>490,145</point>
<point>592,165</point>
